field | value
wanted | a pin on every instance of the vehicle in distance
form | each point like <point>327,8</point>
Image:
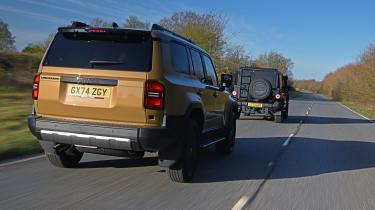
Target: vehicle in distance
<point>262,92</point>
<point>124,92</point>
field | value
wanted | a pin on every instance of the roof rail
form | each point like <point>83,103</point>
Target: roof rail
<point>161,28</point>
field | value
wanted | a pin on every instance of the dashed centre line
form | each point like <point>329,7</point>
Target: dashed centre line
<point>241,203</point>
<point>286,142</point>
<point>245,201</point>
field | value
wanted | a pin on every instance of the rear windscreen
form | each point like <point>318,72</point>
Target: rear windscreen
<point>118,51</point>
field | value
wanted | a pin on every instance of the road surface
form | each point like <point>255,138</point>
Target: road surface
<point>322,158</point>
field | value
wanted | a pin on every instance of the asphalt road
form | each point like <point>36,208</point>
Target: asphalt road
<point>325,162</point>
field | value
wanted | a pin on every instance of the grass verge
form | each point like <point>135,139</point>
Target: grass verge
<point>366,110</point>
<point>15,138</point>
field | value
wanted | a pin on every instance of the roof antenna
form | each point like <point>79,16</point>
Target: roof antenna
<point>114,25</point>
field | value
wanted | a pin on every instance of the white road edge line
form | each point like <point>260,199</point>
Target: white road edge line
<point>359,114</point>
<point>241,203</point>
<point>21,161</point>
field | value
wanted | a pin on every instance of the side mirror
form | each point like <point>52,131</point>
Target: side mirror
<point>285,78</point>
<point>226,80</point>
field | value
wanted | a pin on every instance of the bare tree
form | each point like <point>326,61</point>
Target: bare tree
<point>135,22</point>
<point>275,60</point>
<point>97,22</point>
<point>368,55</point>
<point>234,58</point>
<point>39,47</point>
<point>6,39</point>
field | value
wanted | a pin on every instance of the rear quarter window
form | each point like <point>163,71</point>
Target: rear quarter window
<point>180,59</point>
<point>197,64</point>
<point>210,71</point>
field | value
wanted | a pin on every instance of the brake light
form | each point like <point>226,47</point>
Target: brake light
<point>35,90</point>
<point>96,30</point>
<point>234,93</point>
<point>277,96</point>
<point>154,95</point>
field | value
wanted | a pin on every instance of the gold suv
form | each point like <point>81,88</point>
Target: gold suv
<point>118,91</point>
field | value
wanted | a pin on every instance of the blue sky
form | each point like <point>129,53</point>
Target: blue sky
<point>318,35</point>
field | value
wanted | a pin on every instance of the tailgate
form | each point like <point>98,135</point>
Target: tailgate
<point>107,96</point>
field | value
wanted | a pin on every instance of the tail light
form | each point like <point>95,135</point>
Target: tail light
<point>35,90</point>
<point>234,93</point>
<point>278,96</point>
<point>154,95</point>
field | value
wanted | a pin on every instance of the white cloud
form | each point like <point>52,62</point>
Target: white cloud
<point>34,15</point>
<point>53,5</point>
<point>253,38</point>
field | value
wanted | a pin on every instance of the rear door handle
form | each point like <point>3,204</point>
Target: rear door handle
<point>215,94</point>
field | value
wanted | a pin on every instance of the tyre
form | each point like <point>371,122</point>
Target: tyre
<point>68,158</point>
<point>269,118</point>
<point>278,118</point>
<point>226,146</point>
<point>183,170</point>
<point>285,113</point>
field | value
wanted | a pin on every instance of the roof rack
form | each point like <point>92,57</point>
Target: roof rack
<point>161,28</point>
<point>256,68</point>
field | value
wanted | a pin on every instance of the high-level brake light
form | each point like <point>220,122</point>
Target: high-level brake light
<point>95,30</point>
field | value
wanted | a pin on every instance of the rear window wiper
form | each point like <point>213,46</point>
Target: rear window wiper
<point>104,63</point>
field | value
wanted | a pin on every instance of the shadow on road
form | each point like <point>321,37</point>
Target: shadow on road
<point>310,157</point>
<point>120,163</point>
<point>326,120</point>
<point>316,120</point>
<point>250,160</point>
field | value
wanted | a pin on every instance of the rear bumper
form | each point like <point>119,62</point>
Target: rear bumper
<point>104,136</point>
<point>266,109</point>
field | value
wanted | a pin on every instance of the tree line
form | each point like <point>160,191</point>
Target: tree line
<point>207,30</point>
<point>311,85</point>
<point>354,82</point>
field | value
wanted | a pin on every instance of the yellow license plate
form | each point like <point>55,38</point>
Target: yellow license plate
<point>89,91</point>
<point>255,105</point>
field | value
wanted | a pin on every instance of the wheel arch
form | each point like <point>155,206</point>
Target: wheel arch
<point>230,109</point>
<point>195,111</point>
